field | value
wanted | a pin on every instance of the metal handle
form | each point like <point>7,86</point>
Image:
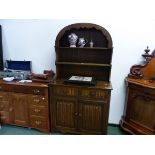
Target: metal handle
<point>36,91</point>
<point>37,122</point>
<point>37,110</point>
<point>11,109</point>
<point>36,100</point>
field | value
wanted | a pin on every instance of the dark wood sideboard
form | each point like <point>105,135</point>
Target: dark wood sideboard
<point>82,109</point>
<point>25,104</point>
<point>139,112</point>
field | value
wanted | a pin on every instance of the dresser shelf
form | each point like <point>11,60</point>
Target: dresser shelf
<point>83,64</point>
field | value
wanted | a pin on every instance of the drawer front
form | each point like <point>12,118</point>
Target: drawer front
<point>4,87</point>
<point>26,89</point>
<point>38,100</point>
<point>38,111</point>
<point>94,94</point>
<point>65,91</point>
<point>38,122</point>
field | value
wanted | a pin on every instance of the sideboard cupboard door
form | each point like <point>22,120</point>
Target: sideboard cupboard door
<point>141,109</point>
<point>65,114</point>
<point>19,109</point>
<point>91,117</point>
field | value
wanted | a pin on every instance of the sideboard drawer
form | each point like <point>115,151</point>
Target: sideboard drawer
<point>38,111</point>
<point>94,94</point>
<point>38,122</point>
<point>39,100</point>
<point>65,91</point>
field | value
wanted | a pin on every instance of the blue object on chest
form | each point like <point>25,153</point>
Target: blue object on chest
<point>19,65</point>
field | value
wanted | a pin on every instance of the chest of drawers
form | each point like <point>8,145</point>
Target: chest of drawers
<point>25,104</point>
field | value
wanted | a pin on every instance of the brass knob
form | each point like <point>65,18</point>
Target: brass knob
<point>11,109</point>
<point>36,91</point>
<point>37,122</point>
<point>37,110</point>
<point>43,98</point>
<point>36,100</point>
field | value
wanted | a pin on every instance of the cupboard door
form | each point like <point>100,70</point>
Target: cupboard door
<point>141,109</point>
<point>65,115</point>
<point>4,107</point>
<point>91,117</point>
<point>19,109</point>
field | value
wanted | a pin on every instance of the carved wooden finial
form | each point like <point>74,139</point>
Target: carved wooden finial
<point>146,55</point>
<point>147,50</point>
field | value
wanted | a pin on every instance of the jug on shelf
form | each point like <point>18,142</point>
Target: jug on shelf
<point>82,42</point>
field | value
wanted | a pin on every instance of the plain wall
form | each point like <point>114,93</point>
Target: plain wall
<point>34,40</point>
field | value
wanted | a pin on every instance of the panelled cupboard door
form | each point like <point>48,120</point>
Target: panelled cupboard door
<point>91,117</point>
<point>19,109</point>
<point>4,107</point>
<point>65,114</point>
<point>141,109</point>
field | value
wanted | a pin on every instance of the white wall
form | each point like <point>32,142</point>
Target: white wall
<point>34,40</point>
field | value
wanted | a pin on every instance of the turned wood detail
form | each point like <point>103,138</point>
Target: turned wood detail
<point>136,71</point>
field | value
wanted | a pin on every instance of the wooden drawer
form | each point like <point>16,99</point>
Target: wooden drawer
<point>38,122</point>
<point>28,90</point>
<point>38,111</point>
<point>38,100</point>
<point>4,87</point>
<point>23,89</point>
<point>96,94</point>
<point>65,91</point>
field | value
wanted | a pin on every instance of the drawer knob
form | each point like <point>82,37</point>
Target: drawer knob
<point>36,91</point>
<point>43,98</point>
<point>37,122</point>
<point>37,110</point>
<point>11,109</point>
<point>36,100</point>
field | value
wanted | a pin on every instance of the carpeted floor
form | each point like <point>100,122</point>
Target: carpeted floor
<point>16,130</point>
